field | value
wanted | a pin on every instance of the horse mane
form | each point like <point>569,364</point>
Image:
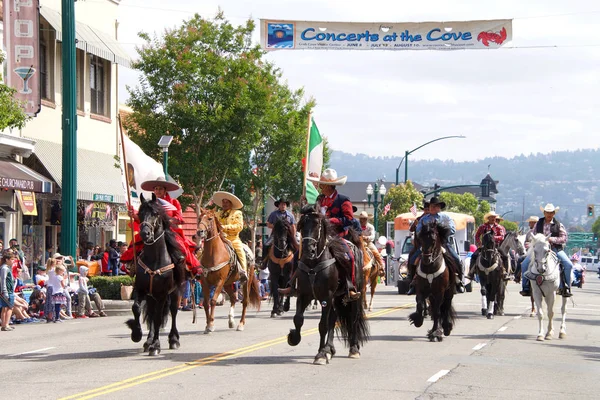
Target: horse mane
<point>281,227</point>
<point>153,207</point>
<point>488,237</point>
<point>537,238</point>
<point>443,230</point>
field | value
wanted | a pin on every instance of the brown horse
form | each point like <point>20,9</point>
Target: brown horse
<point>220,270</point>
<point>435,281</point>
<point>370,274</point>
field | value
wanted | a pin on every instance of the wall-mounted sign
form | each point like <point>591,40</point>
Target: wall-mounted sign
<point>21,38</point>
<point>312,35</point>
<point>27,202</point>
<point>107,198</point>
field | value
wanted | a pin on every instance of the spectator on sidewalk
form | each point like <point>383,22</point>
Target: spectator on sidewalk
<point>60,261</point>
<point>85,294</point>
<point>113,258</point>
<point>7,287</point>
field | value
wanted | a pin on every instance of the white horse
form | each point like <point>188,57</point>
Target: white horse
<point>544,274</point>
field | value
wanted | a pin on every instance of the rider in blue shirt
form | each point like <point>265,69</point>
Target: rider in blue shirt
<point>435,208</point>
<point>280,213</point>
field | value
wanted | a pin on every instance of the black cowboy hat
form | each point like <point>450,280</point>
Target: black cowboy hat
<point>425,204</point>
<point>354,209</point>
<point>281,200</point>
<point>435,200</point>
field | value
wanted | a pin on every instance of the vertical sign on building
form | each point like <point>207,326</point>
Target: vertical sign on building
<point>21,39</point>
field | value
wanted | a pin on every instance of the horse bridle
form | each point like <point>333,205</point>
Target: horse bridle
<point>208,228</point>
<point>317,240</point>
<point>152,227</point>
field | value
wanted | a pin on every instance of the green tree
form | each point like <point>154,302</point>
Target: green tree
<point>401,197</point>
<point>596,226</point>
<point>12,114</point>
<point>206,84</point>
<point>510,226</point>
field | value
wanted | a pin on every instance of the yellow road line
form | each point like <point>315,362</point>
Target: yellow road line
<point>148,377</point>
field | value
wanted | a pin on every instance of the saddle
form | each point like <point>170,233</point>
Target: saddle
<point>355,256</point>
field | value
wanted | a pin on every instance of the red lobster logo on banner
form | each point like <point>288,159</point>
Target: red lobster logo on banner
<point>495,37</point>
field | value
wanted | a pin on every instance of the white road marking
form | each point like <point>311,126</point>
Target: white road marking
<point>518,317</point>
<point>32,351</point>
<point>503,329</point>
<point>437,376</point>
<point>480,346</point>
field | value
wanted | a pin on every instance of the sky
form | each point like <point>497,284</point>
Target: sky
<point>536,96</point>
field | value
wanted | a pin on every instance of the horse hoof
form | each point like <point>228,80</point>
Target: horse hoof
<point>548,336</point>
<point>240,328</point>
<point>231,324</point>
<point>273,314</point>
<point>540,338</point>
<point>293,338</point>
<point>532,314</point>
<point>320,361</point>
<point>484,311</point>
<point>370,309</point>
<point>174,346</point>
<point>354,355</point>
<point>490,316</point>
<point>286,306</point>
<point>329,356</point>
<point>501,313</point>
<point>146,346</point>
<point>209,329</point>
<point>438,338</point>
<point>562,335</point>
<point>154,352</point>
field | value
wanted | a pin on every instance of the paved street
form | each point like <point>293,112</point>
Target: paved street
<point>481,359</point>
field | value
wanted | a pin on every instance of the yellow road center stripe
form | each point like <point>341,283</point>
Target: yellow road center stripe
<point>148,377</point>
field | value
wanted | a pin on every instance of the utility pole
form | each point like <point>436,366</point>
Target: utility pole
<point>68,223</point>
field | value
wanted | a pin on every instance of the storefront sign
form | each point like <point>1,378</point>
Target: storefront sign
<point>18,184</point>
<point>459,35</point>
<point>107,198</point>
<point>27,202</point>
<point>21,36</point>
<point>101,211</point>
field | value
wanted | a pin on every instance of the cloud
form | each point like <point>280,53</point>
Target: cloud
<point>507,102</point>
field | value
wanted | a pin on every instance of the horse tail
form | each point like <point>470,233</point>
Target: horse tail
<point>253,290</point>
<point>351,320</point>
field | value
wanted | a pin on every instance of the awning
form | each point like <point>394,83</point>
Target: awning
<point>14,175</point>
<point>89,39</point>
<point>97,177</point>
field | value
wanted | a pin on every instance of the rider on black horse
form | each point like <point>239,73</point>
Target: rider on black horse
<point>415,252</point>
<point>280,213</point>
<point>338,210</point>
<point>499,232</point>
<point>435,214</point>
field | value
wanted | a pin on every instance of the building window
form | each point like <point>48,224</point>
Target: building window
<point>98,86</point>
<point>80,66</point>
<point>44,71</point>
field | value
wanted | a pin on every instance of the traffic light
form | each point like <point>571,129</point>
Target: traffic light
<point>595,237</point>
<point>590,210</point>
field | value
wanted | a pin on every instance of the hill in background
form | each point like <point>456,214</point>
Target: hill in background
<point>564,178</point>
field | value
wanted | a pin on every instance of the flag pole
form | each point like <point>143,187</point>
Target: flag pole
<point>306,159</point>
<point>126,171</point>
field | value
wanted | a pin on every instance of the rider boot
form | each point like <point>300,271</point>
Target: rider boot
<point>353,294</point>
<point>410,276</point>
<point>471,274</point>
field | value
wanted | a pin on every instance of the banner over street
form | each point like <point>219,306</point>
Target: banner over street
<point>313,35</point>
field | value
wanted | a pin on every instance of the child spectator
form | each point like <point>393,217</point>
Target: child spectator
<point>7,285</point>
<point>57,283</point>
<point>84,297</point>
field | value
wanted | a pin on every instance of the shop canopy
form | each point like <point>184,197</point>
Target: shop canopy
<point>16,176</point>
<point>97,177</point>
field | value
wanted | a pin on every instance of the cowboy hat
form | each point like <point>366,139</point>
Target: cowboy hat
<point>329,177</point>
<point>363,214</point>
<point>533,218</point>
<point>425,204</point>
<point>354,209</point>
<point>218,198</point>
<point>160,181</point>
<point>435,200</point>
<point>281,200</point>
<point>549,208</point>
<point>490,214</point>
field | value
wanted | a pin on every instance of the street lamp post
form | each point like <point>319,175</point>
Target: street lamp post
<point>379,189</point>
<point>508,212</point>
<point>407,153</point>
<point>164,143</point>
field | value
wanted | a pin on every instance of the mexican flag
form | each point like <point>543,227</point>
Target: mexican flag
<point>314,164</point>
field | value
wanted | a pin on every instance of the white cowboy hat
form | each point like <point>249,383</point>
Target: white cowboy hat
<point>160,181</point>
<point>329,177</point>
<point>218,198</point>
<point>533,218</point>
<point>490,214</point>
<point>363,214</point>
<point>549,208</point>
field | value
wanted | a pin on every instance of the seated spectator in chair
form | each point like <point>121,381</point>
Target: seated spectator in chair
<point>37,302</point>
<point>85,294</point>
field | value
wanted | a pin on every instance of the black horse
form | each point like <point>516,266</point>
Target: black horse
<point>280,263</point>
<point>318,277</point>
<point>489,269</point>
<point>160,271</point>
<point>435,281</point>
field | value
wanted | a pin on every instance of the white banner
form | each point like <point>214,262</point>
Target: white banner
<point>458,35</point>
<point>141,168</point>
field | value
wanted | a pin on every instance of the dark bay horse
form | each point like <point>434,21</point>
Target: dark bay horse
<point>280,263</point>
<point>318,277</point>
<point>160,271</point>
<point>219,265</point>
<point>489,269</point>
<point>435,281</point>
